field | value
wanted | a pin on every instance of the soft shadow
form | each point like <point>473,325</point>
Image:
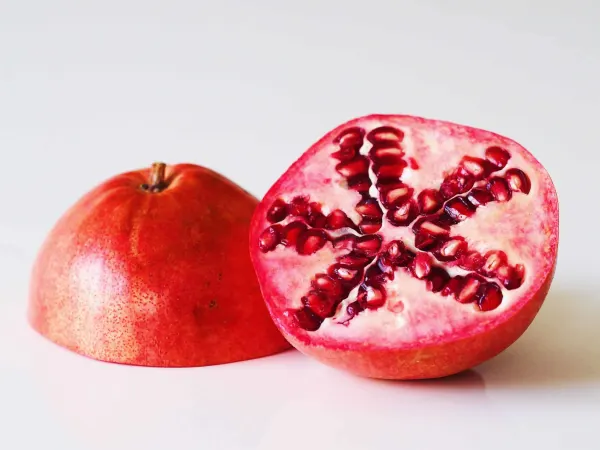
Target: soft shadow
<point>469,380</point>
<point>561,347</point>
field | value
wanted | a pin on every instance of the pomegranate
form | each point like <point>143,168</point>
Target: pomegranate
<point>152,268</point>
<point>400,247</point>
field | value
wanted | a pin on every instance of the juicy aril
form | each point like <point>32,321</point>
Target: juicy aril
<point>152,268</point>
<point>401,247</point>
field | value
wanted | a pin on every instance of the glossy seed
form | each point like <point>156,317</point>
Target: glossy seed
<point>490,298</point>
<point>385,134</point>
<point>311,241</point>
<point>429,201</point>
<point>497,156</point>
<point>307,320</point>
<point>459,209</point>
<point>518,181</point>
<point>270,238</point>
<point>278,211</point>
<point>356,166</point>
<point>499,188</point>
<point>290,233</point>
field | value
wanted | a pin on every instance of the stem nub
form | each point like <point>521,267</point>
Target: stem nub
<point>157,178</point>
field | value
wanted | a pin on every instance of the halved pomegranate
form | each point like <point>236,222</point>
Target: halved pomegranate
<point>442,249</point>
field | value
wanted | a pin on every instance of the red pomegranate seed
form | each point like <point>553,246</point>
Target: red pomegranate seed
<point>369,207</point>
<point>499,188</point>
<point>432,229</point>
<point>307,320</point>
<point>278,211</point>
<point>386,154</point>
<point>413,164</point>
<point>385,134</point>
<point>490,297</point>
<point>453,287</point>
<point>458,209</point>
<point>421,265</point>
<point>354,308</point>
<point>350,137</point>
<point>345,153</point>
<point>520,271</point>
<point>437,279</point>
<point>456,184</point>
<point>357,166</point>
<point>451,250</point>
<point>469,289</point>
<point>425,241</point>
<point>398,254</point>
<point>449,188</point>
<point>471,261</point>
<point>299,207</point>
<point>518,181</point>
<point>403,215</point>
<point>395,249</point>
<point>492,261</point>
<point>291,232</point>
<point>395,196</point>
<point>345,241</point>
<point>311,241</point>
<point>478,197</point>
<point>354,260</point>
<point>497,156</point>
<point>476,167</point>
<point>337,219</point>
<point>386,267</point>
<point>359,183</point>
<point>429,201</point>
<point>390,171</point>
<point>374,275</point>
<point>369,245</point>
<point>370,226</point>
<point>444,220</point>
<point>370,296</point>
<point>270,238</point>
<point>317,220</point>
<point>328,285</point>
<point>344,274</point>
<point>511,278</point>
<point>314,208</point>
<point>320,304</point>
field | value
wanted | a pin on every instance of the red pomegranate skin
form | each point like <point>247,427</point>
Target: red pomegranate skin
<point>164,278</point>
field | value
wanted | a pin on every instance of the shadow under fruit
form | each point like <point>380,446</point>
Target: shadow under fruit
<point>152,268</point>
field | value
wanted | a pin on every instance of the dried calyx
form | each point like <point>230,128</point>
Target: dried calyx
<point>157,181</point>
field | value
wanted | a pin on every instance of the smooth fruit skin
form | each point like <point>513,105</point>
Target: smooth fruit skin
<point>414,360</point>
<point>154,278</point>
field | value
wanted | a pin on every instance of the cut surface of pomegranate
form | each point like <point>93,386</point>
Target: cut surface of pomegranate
<point>441,246</point>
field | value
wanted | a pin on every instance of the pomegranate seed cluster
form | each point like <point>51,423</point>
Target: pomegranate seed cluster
<point>369,264</point>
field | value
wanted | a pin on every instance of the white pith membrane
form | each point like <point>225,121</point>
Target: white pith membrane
<point>411,314</point>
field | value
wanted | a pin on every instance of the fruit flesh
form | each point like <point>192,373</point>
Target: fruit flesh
<point>524,227</point>
<point>154,278</point>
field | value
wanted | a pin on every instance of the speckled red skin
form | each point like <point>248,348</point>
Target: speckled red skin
<point>414,360</point>
<point>156,279</point>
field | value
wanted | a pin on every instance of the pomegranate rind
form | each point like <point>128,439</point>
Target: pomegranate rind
<point>154,279</point>
<point>437,354</point>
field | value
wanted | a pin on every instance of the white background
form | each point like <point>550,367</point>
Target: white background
<point>90,89</point>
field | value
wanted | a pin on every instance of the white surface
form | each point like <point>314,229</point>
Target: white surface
<point>90,89</point>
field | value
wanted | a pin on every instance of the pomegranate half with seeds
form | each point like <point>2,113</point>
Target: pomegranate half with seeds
<point>403,248</point>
